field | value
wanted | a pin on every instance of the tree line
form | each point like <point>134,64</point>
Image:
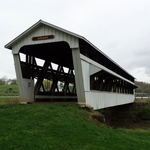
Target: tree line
<point>5,81</point>
<point>143,87</point>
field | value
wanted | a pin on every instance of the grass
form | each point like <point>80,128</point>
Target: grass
<point>4,100</point>
<point>62,127</point>
<point>142,100</point>
<point>7,96</point>
<point>5,90</point>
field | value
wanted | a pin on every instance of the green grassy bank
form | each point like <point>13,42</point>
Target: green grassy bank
<point>9,90</point>
<point>62,127</point>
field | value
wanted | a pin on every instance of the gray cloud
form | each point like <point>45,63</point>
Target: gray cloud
<point>119,28</point>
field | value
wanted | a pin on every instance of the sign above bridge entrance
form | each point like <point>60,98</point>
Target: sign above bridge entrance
<point>46,37</point>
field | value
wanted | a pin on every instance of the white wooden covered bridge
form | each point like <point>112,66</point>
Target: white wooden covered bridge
<point>88,76</point>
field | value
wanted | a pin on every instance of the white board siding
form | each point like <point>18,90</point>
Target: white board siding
<point>28,84</point>
<point>87,70</point>
<point>85,73</point>
<point>42,31</point>
<point>94,69</point>
<point>100,100</point>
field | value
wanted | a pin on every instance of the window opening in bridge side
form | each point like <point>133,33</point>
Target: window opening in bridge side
<point>103,81</point>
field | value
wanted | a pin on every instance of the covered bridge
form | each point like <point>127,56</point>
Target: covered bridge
<point>75,68</point>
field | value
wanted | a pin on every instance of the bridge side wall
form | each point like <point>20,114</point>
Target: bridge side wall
<point>101,99</point>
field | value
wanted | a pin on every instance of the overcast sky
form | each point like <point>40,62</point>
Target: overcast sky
<point>120,28</point>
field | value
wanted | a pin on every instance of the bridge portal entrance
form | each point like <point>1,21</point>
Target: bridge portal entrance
<point>50,66</point>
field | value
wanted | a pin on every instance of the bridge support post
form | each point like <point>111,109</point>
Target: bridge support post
<point>78,76</point>
<point>26,86</point>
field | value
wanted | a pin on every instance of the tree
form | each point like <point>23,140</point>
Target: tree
<point>47,84</point>
<point>13,81</point>
<point>143,87</point>
<point>3,80</point>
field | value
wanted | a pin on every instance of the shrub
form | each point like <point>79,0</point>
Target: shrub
<point>143,113</point>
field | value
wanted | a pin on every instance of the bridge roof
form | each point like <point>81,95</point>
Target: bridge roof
<point>82,40</point>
